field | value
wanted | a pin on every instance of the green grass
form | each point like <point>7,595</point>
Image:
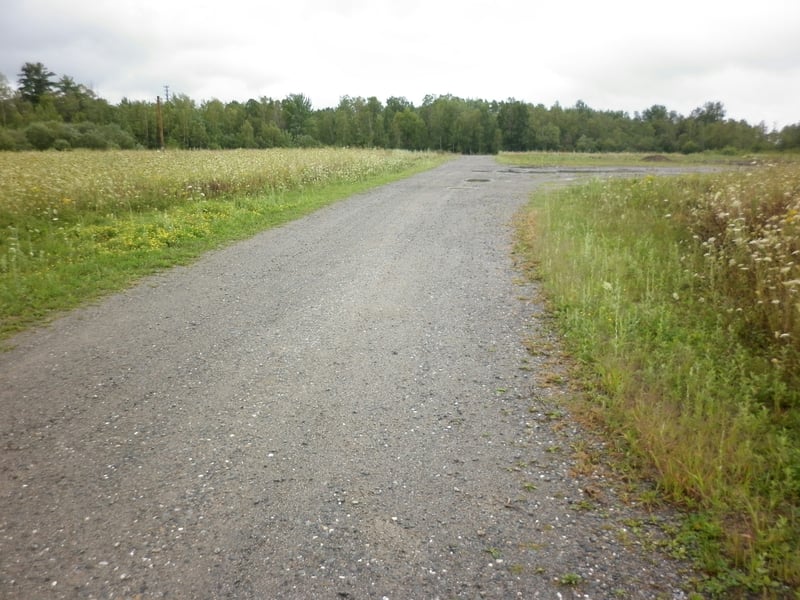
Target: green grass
<point>625,159</point>
<point>70,241</point>
<point>679,299</point>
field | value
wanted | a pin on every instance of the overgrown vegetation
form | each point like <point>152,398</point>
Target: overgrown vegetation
<point>74,225</point>
<point>47,111</point>
<point>584,160</point>
<point>679,298</point>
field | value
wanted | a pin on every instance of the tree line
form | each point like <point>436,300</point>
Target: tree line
<point>46,111</point>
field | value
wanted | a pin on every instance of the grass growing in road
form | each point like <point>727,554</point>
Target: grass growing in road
<point>679,298</point>
<point>75,225</point>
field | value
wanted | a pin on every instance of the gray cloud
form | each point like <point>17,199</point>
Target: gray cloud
<point>612,55</point>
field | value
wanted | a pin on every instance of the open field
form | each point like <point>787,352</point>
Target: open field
<point>679,300</point>
<point>77,224</point>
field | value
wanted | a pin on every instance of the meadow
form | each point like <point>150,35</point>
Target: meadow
<point>678,299</point>
<point>75,225</point>
<point>679,303</point>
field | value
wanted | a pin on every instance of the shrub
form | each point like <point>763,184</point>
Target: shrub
<point>116,137</point>
<point>690,147</point>
<point>40,136</point>
<point>7,141</point>
<point>306,141</point>
<point>61,144</point>
<point>92,140</point>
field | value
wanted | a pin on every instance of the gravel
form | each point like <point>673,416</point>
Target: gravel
<point>342,407</point>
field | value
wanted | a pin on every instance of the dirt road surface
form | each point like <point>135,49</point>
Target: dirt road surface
<point>342,407</point>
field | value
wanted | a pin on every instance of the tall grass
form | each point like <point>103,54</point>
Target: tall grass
<point>680,299</point>
<point>77,224</point>
<point>627,159</point>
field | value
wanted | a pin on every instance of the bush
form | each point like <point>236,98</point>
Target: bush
<point>306,141</point>
<point>21,141</point>
<point>690,147</point>
<point>7,141</point>
<point>117,138</point>
<point>62,144</point>
<point>40,136</point>
<point>46,135</point>
<point>92,140</point>
<point>63,131</point>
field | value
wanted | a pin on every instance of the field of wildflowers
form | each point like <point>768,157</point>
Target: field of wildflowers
<point>75,224</point>
<point>66,186</point>
<point>749,230</point>
<point>680,300</point>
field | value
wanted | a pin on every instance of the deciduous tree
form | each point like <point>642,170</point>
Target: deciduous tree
<point>409,130</point>
<point>513,122</point>
<point>6,95</point>
<point>297,114</point>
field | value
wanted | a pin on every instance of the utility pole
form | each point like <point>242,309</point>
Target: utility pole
<point>160,120</point>
<point>166,93</point>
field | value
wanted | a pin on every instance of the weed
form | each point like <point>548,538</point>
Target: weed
<point>679,299</point>
<point>570,579</point>
<point>532,546</point>
<point>495,553</point>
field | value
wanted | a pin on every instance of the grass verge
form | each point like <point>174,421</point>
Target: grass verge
<point>627,159</point>
<point>57,252</point>
<point>679,299</point>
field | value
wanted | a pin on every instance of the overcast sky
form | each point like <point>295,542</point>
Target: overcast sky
<point>612,54</point>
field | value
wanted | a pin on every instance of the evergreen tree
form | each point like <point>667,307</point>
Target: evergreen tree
<point>34,82</point>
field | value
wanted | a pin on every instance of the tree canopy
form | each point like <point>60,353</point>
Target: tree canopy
<point>34,82</point>
<point>50,111</point>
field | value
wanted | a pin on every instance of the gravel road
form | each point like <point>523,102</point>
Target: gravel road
<point>342,407</point>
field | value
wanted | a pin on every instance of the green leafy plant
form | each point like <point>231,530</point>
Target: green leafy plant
<point>570,579</point>
<point>495,553</point>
